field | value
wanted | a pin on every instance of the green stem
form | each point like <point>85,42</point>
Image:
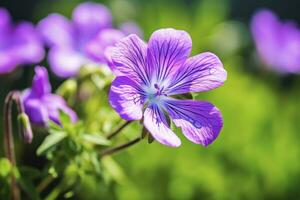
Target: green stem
<point>120,148</point>
<point>118,130</point>
<point>24,128</point>
<point>9,141</point>
<point>49,179</point>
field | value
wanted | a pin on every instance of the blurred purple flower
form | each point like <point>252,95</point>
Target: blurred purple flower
<point>148,77</point>
<point>42,106</point>
<point>131,28</point>
<point>277,43</point>
<point>82,40</point>
<point>19,44</point>
<point>97,46</point>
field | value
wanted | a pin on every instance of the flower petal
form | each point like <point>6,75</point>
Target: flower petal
<point>36,111</point>
<point>265,28</point>
<point>27,44</point>
<point>5,24</point>
<point>56,29</point>
<point>65,62</point>
<point>277,43</point>
<point>91,17</point>
<point>54,103</point>
<point>289,57</point>
<point>4,17</point>
<point>167,50</point>
<point>201,122</point>
<point>40,83</point>
<point>129,58</point>
<point>108,60</point>
<point>97,46</point>
<point>200,73</point>
<point>156,124</point>
<point>126,98</point>
<point>19,45</point>
<point>8,61</point>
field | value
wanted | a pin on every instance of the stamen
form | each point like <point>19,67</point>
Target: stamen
<point>159,90</point>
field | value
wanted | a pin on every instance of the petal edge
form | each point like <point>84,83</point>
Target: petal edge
<point>201,122</point>
<point>155,122</point>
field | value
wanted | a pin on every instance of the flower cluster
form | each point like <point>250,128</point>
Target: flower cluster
<point>278,43</point>
<point>152,81</point>
<point>81,41</point>
<point>19,44</point>
<point>149,79</point>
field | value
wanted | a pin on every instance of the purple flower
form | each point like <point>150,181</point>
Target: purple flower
<point>19,44</point>
<point>277,43</point>
<point>80,41</point>
<point>131,28</point>
<point>42,106</point>
<point>148,77</point>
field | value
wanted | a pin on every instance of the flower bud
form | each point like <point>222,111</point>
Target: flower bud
<point>25,128</point>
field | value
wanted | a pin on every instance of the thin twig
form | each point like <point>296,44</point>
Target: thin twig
<point>119,148</point>
<point>45,183</point>
<point>8,138</point>
<point>118,130</point>
<point>9,141</point>
<point>25,130</point>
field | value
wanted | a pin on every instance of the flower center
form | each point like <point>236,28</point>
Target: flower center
<point>159,91</point>
<point>155,94</point>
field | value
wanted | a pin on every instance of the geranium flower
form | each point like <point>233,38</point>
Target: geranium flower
<point>277,43</point>
<point>80,41</point>
<point>40,104</point>
<point>150,75</point>
<point>19,44</point>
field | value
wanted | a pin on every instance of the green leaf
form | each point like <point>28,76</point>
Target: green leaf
<point>52,171</point>
<point>29,172</point>
<point>54,126</point>
<point>5,167</point>
<point>29,188</point>
<point>115,171</point>
<point>96,139</point>
<point>64,118</point>
<point>69,195</point>
<point>96,163</point>
<point>50,141</point>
